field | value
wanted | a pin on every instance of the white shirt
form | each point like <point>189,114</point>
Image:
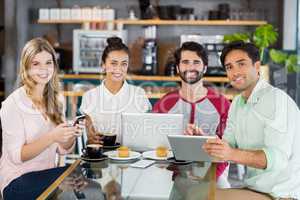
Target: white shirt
<point>105,108</point>
<point>22,124</point>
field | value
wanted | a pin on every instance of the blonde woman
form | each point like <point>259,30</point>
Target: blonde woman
<point>33,126</point>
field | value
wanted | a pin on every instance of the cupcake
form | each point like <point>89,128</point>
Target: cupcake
<point>161,151</point>
<point>123,152</point>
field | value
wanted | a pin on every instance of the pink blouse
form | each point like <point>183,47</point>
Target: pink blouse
<point>22,124</point>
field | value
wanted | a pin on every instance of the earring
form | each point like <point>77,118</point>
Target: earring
<point>102,70</point>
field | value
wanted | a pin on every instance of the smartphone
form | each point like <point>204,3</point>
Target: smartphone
<point>78,119</point>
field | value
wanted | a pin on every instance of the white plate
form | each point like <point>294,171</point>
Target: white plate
<point>114,155</point>
<point>152,155</point>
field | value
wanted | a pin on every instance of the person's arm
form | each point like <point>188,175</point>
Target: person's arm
<point>279,132</point>
<point>156,107</point>
<point>192,129</point>
<point>225,149</point>
<point>142,102</point>
<point>93,136</point>
<point>221,150</point>
<point>14,137</point>
<point>230,126</point>
<point>13,131</point>
<point>223,112</point>
<point>62,134</point>
<point>33,149</point>
<point>254,158</point>
<point>67,147</point>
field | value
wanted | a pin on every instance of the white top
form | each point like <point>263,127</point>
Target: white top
<point>105,108</point>
<point>22,124</point>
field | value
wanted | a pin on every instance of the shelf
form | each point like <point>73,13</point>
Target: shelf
<point>138,78</point>
<point>79,94</point>
<point>164,22</point>
<point>193,22</point>
<point>228,95</point>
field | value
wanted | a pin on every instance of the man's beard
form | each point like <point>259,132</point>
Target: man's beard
<point>191,81</point>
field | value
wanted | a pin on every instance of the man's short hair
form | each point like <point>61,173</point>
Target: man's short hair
<point>191,46</point>
<point>249,48</point>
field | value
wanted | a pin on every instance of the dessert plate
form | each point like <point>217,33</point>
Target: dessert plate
<point>114,155</point>
<point>152,155</point>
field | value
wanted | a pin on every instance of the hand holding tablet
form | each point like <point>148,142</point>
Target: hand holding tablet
<point>190,147</point>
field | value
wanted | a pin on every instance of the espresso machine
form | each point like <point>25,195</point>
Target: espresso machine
<point>214,45</point>
<point>150,52</point>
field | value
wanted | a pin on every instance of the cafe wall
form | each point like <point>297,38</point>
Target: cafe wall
<point>21,23</point>
<point>201,8</point>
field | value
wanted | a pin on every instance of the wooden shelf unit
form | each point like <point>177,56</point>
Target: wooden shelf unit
<point>163,22</point>
<point>228,95</point>
<point>155,95</point>
<point>139,78</point>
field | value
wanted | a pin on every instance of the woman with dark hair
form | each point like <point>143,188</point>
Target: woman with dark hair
<point>114,95</point>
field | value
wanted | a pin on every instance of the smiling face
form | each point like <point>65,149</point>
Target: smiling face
<point>191,67</point>
<point>41,68</point>
<point>241,71</point>
<point>116,65</point>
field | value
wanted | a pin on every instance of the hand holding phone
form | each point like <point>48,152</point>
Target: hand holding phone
<point>78,122</point>
<point>78,119</point>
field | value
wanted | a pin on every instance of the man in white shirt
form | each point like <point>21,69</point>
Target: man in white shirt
<point>261,131</point>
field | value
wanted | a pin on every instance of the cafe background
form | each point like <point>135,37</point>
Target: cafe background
<point>152,30</point>
<point>78,39</point>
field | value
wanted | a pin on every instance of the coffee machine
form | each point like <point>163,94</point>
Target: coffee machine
<point>214,45</point>
<point>150,52</point>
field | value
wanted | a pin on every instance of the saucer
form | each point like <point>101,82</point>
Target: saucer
<point>117,145</point>
<point>114,155</point>
<point>178,162</point>
<point>87,159</point>
<point>152,155</point>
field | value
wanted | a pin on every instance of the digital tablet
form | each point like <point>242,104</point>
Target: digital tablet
<point>186,147</point>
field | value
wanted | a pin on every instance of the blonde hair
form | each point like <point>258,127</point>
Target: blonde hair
<point>53,107</point>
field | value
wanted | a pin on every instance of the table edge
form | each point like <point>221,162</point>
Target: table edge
<point>58,181</point>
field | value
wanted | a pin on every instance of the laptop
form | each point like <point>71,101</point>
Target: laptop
<point>147,131</point>
<point>186,147</point>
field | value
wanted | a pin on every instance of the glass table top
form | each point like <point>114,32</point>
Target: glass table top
<point>112,180</point>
